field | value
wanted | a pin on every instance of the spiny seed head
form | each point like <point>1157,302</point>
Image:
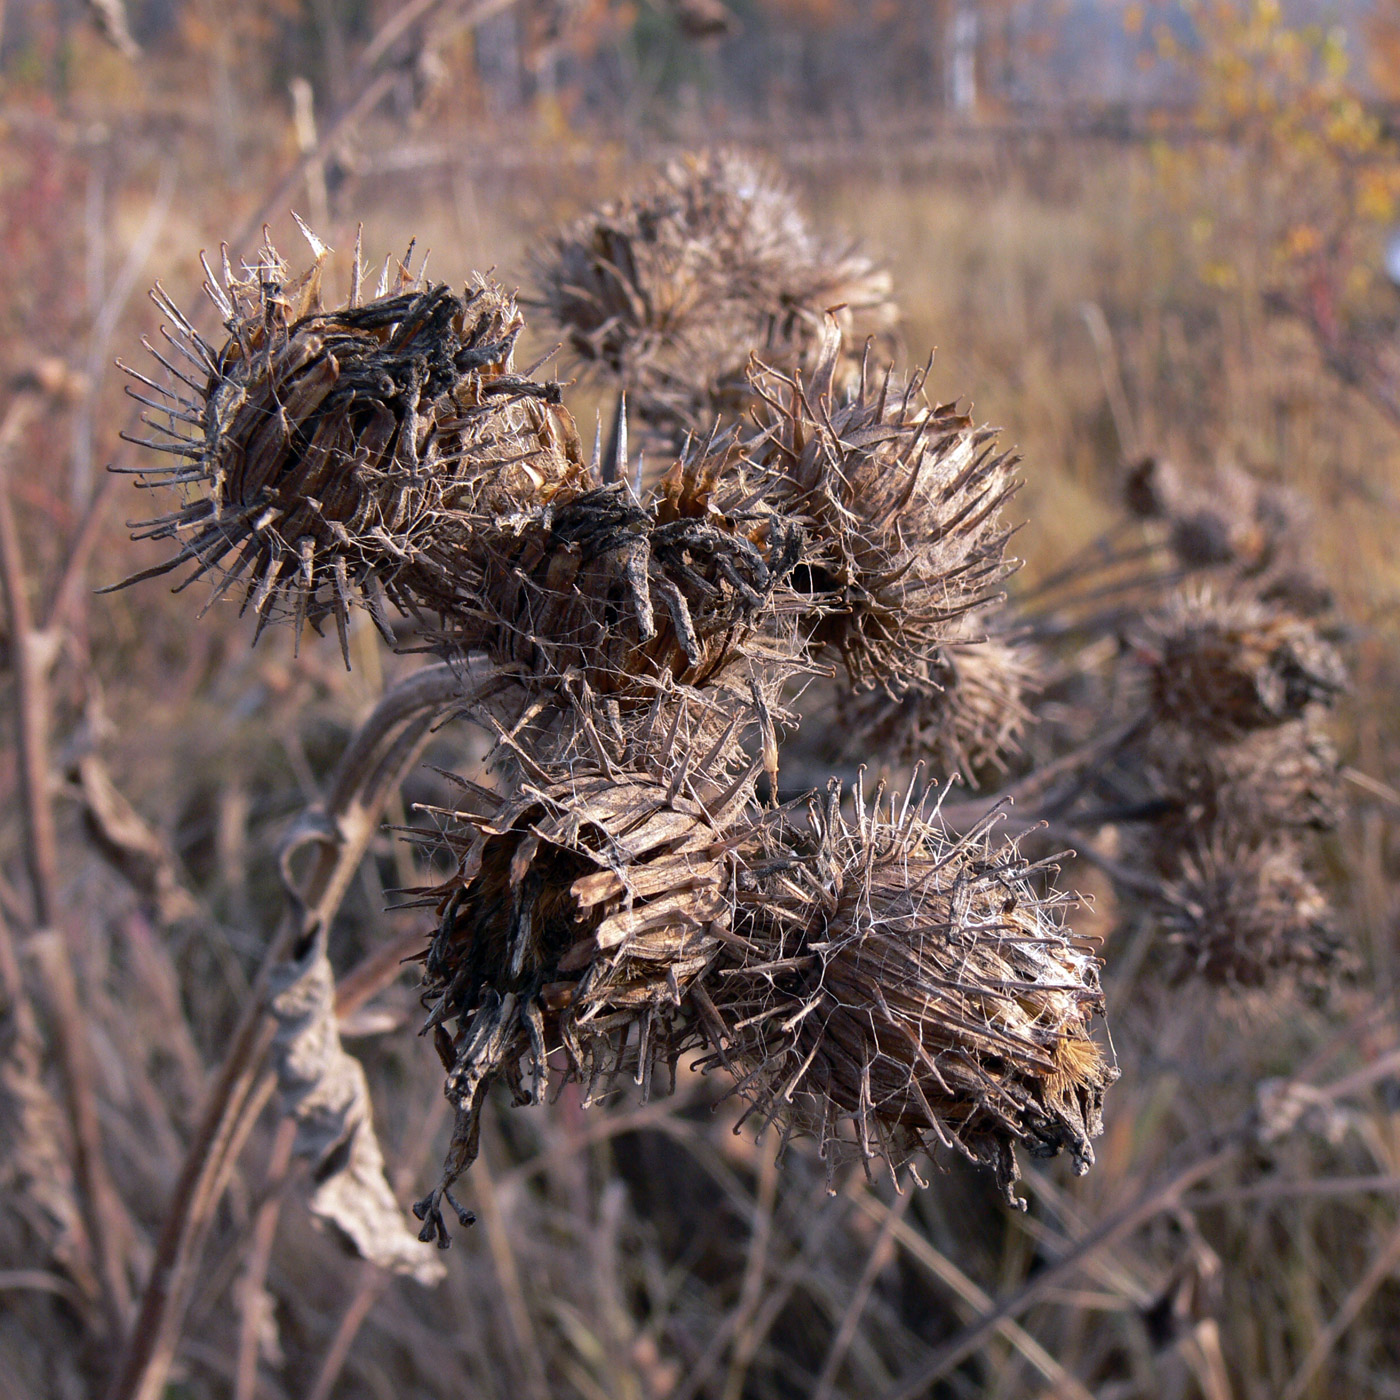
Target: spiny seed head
<point>1285,777</point>
<point>329,456</point>
<point>965,719</point>
<point>1151,488</point>
<point>900,503</point>
<point>1243,913</point>
<point>625,593</point>
<point>669,290</point>
<point>590,895</point>
<point>892,991</point>
<point>1221,665</point>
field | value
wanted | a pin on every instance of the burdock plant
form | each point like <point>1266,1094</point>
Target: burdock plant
<point>632,887</point>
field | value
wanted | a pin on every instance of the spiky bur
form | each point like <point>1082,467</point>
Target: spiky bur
<point>1222,666</point>
<point>1234,523</point>
<point>1242,912</point>
<point>335,456</point>
<point>892,990</point>
<point>668,291</point>
<point>967,718</point>
<point>590,896</point>
<point>900,502</point>
<point>1283,778</point>
<point>623,593</point>
<point>1222,785</point>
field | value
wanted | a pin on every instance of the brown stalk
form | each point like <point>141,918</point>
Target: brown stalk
<point>34,655</point>
<point>881,1252</point>
<point>371,83</point>
<point>1381,1268</point>
<point>528,1367</point>
<point>371,1283</point>
<point>951,1277</point>
<point>35,652</point>
<point>369,772</point>
<point>821,1211</point>
<point>747,1339</point>
<point>259,1255</point>
<point>1161,1197</point>
<point>1321,1187</point>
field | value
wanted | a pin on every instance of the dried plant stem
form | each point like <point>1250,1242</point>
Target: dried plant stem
<point>1322,1187</point>
<point>255,1267</point>
<point>747,1340</point>
<point>375,971</point>
<point>950,1276</point>
<point>370,83</point>
<point>528,1366</point>
<point>1381,1268</point>
<point>104,1215</point>
<point>35,652</point>
<point>1161,1197</point>
<point>822,1212</point>
<point>371,1282</point>
<point>881,1252</point>
<point>370,771</point>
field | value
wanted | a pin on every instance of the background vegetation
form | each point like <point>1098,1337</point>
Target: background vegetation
<point>1197,274</point>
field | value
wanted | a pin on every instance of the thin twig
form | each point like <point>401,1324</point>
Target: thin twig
<point>371,83</point>
<point>1158,1198</point>
<point>33,656</point>
<point>746,1341</point>
<point>1381,1267</point>
<point>35,652</point>
<point>947,1273</point>
<point>371,1282</point>
<point>881,1252</point>
<point>528,1367</point>
<point>251,1287</point>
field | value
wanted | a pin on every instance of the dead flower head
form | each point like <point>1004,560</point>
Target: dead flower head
<point>620,591</point>
<point>897,991</point>
<point>589,898</point>
<point>1221,665</point>
<point>669,290</point>
<point>1285,777</point>
<point>1243,913</point>
<point>901,506</point>
<point>329,456</point>
<point>967,718</point>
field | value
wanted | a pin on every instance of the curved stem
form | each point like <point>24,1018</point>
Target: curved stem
<point>370,771</point>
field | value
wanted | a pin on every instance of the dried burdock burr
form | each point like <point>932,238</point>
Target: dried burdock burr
<point>1222,665</point>
<point>669,290</point>
<point>900,502</point>
<point>621,592</point>
<point>1285,777</point>
<point>1242,913</point>
<point>335,456</point>
<point>966,718</point>
<point>1151,488</point>
<point>894,990</point>
<point>589,897</point>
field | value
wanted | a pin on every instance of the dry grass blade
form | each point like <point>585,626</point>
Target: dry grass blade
<point>950,1276</point>
<point>881,1252</point>
<point>1158,1198</point>
<point>1379,1269</point>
